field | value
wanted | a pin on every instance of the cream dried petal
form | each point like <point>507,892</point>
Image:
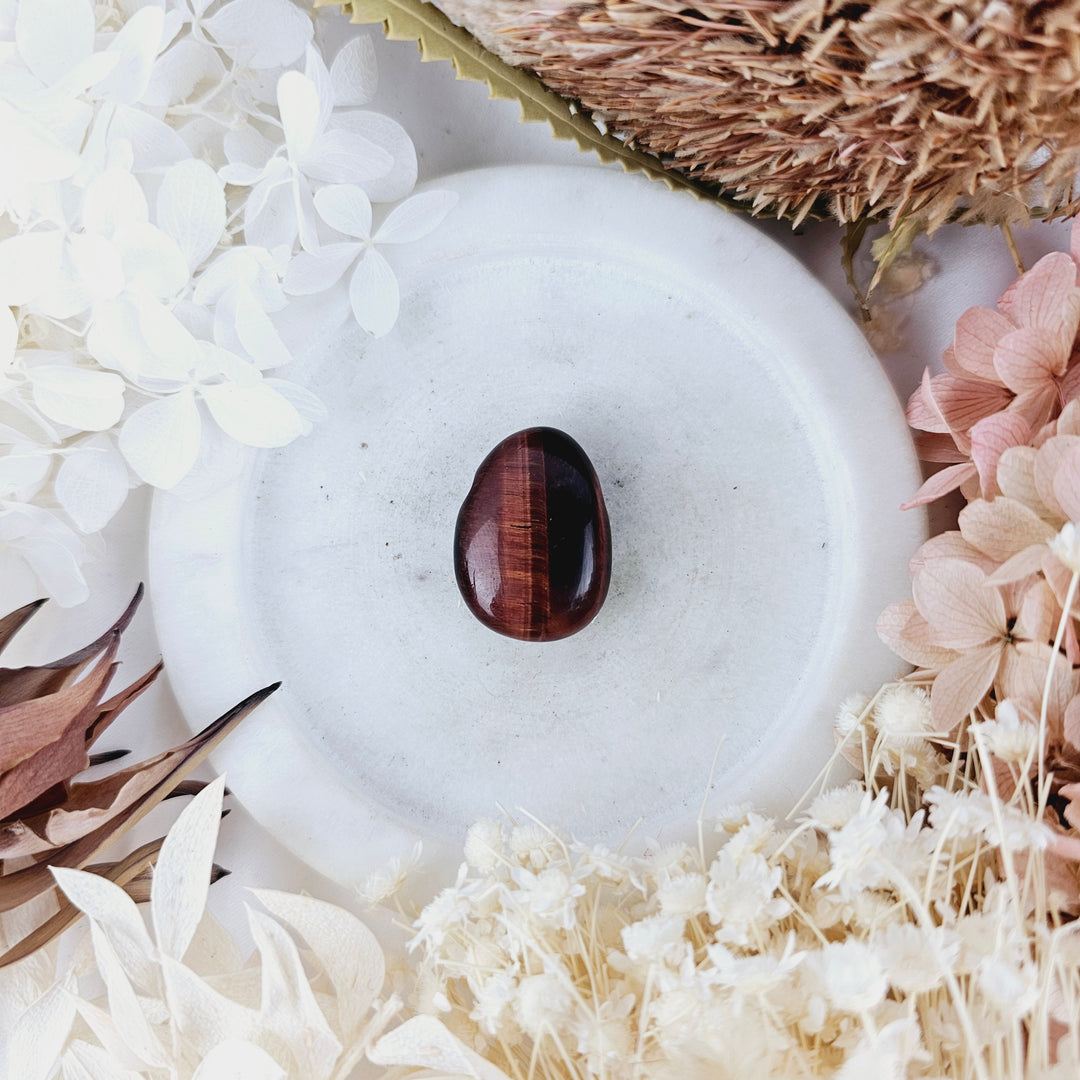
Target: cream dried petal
<point>908,634</point>
<point>1048,460</point>
<point>1038,610</point>
<point>1002,527</point>
<point>949,545</point>
<point>952,595</point>
<point>1066,483</point>
<point>1016,477</point>
<point>1021,565</point>
<point>961,685</point>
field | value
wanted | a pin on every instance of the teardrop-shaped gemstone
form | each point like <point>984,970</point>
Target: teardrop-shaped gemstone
<point>532,549</point>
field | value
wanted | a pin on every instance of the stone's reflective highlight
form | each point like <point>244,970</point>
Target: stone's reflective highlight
<point>532,548</point>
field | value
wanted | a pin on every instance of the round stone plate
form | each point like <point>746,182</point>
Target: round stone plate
<point>752,456</point>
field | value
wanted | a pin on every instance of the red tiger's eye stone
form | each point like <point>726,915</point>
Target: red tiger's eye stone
<point>532,548</point>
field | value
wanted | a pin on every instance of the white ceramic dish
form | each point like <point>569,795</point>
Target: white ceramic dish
<point>752,456</point>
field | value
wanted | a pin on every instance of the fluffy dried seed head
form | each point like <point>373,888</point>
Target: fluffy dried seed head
<point>900,107</point>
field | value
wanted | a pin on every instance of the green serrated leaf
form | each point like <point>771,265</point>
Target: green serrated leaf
<point>440,39</point>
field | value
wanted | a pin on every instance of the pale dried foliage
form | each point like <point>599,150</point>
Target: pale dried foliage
<point>900,107</point>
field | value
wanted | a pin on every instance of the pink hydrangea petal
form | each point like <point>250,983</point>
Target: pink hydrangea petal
<point>1047,459</point>
<point>977,333</point>
<point>1068,423</point>
<point>1029,358</point>
<point>961,685</point>
<point>1001,528</point>
<point>990,438</point>
<point>938,447</point>
<point>922,412</point>
<point>949,545</point>
<point>1067,484</point>
<point>1016,476</point>
<point>964,402</point>
<point>1022,679</point>
<point>1041,293</point>
<point>1072,723</point>
<point>1038,608</point>
<point>1019,566</point>
<point>907,633</point>
<point>962,610</point>
<point>941,483</point>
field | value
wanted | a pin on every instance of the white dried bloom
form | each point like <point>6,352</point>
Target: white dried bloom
<point>834,808</point>
<point>446,912</point>
<point>544,1002</point>
<point>549,896</point>
<point>1066,546</point>
<point>682,895</point>
<point>657,939</point>
<point>915,959</point>
<point>604,1037</point>
<point>1007,736</point>
<point>535,846</point>
<point>850,974</point>
<point>493,998</point>
<point>902,714</point>
<point>974,815</point>
<point>485,845</point>
<point>851,715</point>
<point>741,896</point>
<point>382,884</point>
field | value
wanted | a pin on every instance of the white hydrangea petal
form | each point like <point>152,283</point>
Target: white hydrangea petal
<point>160,440</point>
<point>92,484</point>
<point>77,397</point>
<point>354,72</point>
<point>240,174</point>
<point>346,157</point>
<point>171,352</point>
<point>182,873</point>
<point>303,400</point>
<point>316,70</point>
<point>28,265</point>
<point>388,134</point>
<point>22,472</point>
<point>248,146</point>
<point>307,225</point>
<point>266,33</point>
<point>53,36</point>
<point>298,103</point>
<point>255,415</point>
<point>154,145</point>
<point>416,217</point>
<point>235,1059</point>
<point>258,335</point>
<point>9,336</point>
<point>50,548</point>
<point>309,273</point>
<point>187,66</point>
<point>32,154</point>
<point>191,209</point>
<point>271,222</point>
<point>113,199</point>
<point>136,45</point>
<point>115,337</point>
<point>90,269</point>
<point>153,261</point>
<point>374,295</point>
<point>345,207</point>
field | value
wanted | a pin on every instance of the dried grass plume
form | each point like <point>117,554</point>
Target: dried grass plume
<point>898,108</point>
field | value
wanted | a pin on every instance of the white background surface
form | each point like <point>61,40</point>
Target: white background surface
<point>455,127</point>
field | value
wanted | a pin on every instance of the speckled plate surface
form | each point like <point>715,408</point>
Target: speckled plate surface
<point>752,456</point>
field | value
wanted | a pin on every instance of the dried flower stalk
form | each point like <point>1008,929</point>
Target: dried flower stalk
<point>50,717</point>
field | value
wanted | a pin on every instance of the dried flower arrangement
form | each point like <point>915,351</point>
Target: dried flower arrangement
<point>50,717</point>
<point>895,108</point>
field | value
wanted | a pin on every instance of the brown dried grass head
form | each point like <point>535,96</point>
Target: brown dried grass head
<point>935,108</point>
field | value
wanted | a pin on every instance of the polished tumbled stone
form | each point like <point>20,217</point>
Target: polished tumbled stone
<point>532,548</point>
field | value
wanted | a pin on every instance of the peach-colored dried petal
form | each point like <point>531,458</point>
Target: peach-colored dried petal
<point>1071,730</point>
<point>1028,359</point>
<point>990,438</point>
<point>949,545</point>
<point>1039,611</point>
<point>1069,390</point>
<point>962,610</point>
<point>1022,678</point>
<point>1016,477</point>
<point>1047,459</point>
<point>961,685</point>
<point>1068,423</point>
<point>941,483</point>
<point>1001,528</point>
<point>907,633</point>
<point>938,448</point>
<point>977,333</point>
<point>922,412</point>
<point>950,364</point>
<point>1067,484</point>
<point>1041,293</point>
<point>1021,565</point>
<point>1057,577</point>
<point>1072,808</point>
